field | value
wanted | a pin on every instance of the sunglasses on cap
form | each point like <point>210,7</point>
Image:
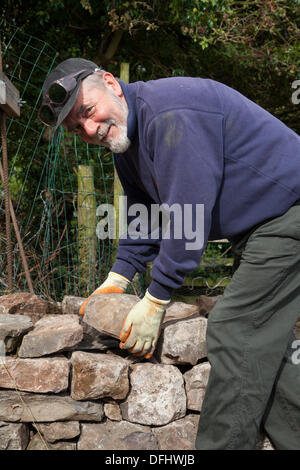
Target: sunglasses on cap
<point>57,95</point>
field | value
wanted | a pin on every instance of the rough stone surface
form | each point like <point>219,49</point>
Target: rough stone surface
<point>51,334</point>
<point>264,443</point>
<point>196,381</point>
<point>93,339</point>
<point>112,411</point>
<point>24,303</point>
<point>182,342</point>
<point>116,436</point>
<point>12,328</point>
<point>46,408</point>
<point>13,436</point>
<point>59,431</point>
<point>206,303</point>
<point>179,310</point>
<point>36,443</point>
<point>98,376</point>
<point>36,375</point>
<point>178,435</point>
<point>157,395</point>
<point>71,304</point>
<point>106,312</point>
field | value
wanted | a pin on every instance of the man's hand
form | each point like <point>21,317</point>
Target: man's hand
<point>141,328</point>
<point>114,284</point>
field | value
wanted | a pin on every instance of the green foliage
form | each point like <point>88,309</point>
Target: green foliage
<point>252,46</point>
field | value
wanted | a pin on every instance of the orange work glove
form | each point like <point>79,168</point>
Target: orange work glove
<point>114,284</point>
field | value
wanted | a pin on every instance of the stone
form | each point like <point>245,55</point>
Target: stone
<point>13,436</point>
<point>264,443</point>
<point>179,310</point>
<point>71,304</point>
<point>52,334</point>
<point>98,375</point>
<point>36,375</point>
<point>157,395</point>
<point>106,312</point>
<point>205,303</point>
<point>120,435</point>
<point>46,408</point>
<point>25,303</point>
<point>112,411</point>
<point>93,339</point>
<point>12,328</point>
<point>36,443</point>
<point>178,435</point>
<point>60,430</point>
<point>182,342</point>
<point>196,381</point>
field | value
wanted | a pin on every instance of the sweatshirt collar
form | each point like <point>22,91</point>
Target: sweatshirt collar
<point>129,93</point>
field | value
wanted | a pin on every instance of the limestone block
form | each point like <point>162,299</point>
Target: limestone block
<point>98,375</point>
<point>157,395</point>
<point>195,384</point>
<point>40,375</point>
<point>51,334</point>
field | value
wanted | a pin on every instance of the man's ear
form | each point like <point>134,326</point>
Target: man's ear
<point>112,83</point>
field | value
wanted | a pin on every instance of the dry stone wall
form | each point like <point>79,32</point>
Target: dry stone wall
<point>65,384</point>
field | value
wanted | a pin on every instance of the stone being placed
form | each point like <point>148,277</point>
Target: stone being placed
<point>196,381</point>
<point>178,435</point>
<point>52,334</point>
<point>157,395</point>
<point>13,436</point>
<point>46,408</point>
<point>24,303</point>
<point>116,436</point>
<point>98,375</point>
<point>12,328</point>
<point>40,375</point>
<point>106,312</point>
<point>182,342</point>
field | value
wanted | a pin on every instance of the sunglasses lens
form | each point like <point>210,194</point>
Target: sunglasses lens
<point>57,93</point>
<point>47,116</point>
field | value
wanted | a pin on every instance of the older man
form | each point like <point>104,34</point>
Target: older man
<point>190,142</point>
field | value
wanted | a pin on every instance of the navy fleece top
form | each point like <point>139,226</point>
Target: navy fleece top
<point>197,141</point>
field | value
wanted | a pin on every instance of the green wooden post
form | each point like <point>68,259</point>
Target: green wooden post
<point>87,240</point>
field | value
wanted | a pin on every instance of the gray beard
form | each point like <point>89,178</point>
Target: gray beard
<point>121,144</point>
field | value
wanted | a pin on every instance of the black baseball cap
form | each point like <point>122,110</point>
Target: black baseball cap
<point>65,68</point>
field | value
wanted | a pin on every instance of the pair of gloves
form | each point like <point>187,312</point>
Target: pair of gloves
<point>141,327</point>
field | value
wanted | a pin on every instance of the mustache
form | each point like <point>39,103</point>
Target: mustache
<point>101,133</point>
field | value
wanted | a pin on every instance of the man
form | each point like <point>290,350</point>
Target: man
<point>191,142</point>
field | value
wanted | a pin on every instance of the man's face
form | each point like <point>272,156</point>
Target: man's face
<point>99,115</point>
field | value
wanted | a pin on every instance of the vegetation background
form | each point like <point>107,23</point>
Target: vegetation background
<point>252,46</point>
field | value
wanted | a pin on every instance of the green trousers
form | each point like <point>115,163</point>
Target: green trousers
<point>254,381</point>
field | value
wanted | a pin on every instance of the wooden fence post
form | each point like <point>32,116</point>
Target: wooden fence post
<point>87,240</point>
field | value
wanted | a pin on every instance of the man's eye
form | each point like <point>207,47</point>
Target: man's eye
<point>89,110</point>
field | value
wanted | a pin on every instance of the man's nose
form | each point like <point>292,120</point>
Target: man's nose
<point>90,127</point>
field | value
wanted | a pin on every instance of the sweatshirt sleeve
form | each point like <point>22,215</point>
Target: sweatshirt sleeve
<point>135,252</point>
<point>186,147</point>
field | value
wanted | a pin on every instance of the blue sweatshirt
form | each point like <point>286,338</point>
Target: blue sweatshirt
<point>197,141</point>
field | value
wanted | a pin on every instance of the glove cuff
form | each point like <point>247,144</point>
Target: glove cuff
<point>115,279</point>
<point>155,300</point>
